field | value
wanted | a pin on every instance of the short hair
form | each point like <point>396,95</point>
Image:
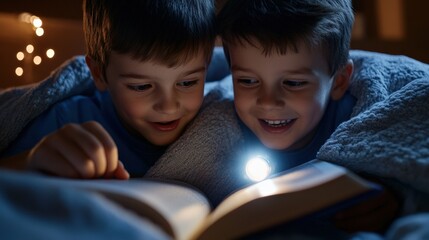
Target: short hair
<point>279,25</point>
<point>165,31</point>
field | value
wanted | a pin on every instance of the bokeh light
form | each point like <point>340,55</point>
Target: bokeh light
<point>25,17</point>
<point>50,53</point>
<point>37,22</point>
<point>19,71</point>
<point>40,31</point>
<point>20,56</point>
<point>29,48</point>
<point>37,60</point>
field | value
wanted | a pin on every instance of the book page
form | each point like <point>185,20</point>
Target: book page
<point>175,207</point>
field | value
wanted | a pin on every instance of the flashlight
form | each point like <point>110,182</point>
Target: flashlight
<point>257,168</point>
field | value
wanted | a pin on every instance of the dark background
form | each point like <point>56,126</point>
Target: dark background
<point>389,26</point>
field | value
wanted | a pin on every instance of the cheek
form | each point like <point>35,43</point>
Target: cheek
<point>133,111</point>
<point>313,108</point>
<point>322,94</point>
<point>241,106</point>
<point>317,99</point>
<point>194,105</point>
<point>129,108</point>
<point>193,102</point>
<point>242,100</point>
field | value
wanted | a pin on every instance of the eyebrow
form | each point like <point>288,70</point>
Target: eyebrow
<point>238,68</point>
<point>197,70</point>
<point>143,76</point>
<point>302,70</point>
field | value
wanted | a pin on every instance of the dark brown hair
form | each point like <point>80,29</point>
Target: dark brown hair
<point>166,31</point>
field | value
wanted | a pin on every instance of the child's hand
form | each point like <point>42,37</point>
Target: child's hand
<point>374,214</point>
<point>78,151</point>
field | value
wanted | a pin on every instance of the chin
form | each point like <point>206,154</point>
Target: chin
<point>163,142</point>
<point>162,138</point>
<point>275,145</point>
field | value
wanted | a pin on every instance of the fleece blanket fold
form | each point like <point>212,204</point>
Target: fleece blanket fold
<point>20,105</point>
<point>388,134</point>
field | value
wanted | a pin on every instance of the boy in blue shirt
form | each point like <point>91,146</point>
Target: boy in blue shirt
<point>291,71</point>
<point>148,59</point>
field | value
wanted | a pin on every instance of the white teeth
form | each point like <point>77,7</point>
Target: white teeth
<point>278,123</point>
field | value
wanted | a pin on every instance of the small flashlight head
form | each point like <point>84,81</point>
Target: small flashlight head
<point>258,168</point>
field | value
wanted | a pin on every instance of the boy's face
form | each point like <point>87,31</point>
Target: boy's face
<point>281,98</point>
<point>154,100</point>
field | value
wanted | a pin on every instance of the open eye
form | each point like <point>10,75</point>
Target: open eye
<point>187,84</point>
<point>140,87</point>
<point>247,82</point>
<point>294,83</point>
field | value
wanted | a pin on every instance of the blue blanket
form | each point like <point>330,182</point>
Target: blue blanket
<point>18,106</point>
<point>33,208</point>
<point>387,136</point>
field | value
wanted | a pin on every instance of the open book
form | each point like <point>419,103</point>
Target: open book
<point>184,213</point>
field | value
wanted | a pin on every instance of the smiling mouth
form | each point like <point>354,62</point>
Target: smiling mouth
<point>277,123</point>
<point>276,126</point>
<point>166,126</point>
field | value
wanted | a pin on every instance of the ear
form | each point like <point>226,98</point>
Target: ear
<point>97,73</point>
<point>342,81</point>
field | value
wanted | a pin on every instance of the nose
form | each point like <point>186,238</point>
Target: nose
<point>167,103</point>
<point>270,98</point>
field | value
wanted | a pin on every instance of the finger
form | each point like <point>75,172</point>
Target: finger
<point>81,149</point>
<point>45,159</point>
<point>70,143</point>
<point>121,172</point>
<point>92,160</point>
<point>110,150</point>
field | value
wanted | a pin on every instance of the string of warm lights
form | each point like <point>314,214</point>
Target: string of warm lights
<point>36,23</point>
